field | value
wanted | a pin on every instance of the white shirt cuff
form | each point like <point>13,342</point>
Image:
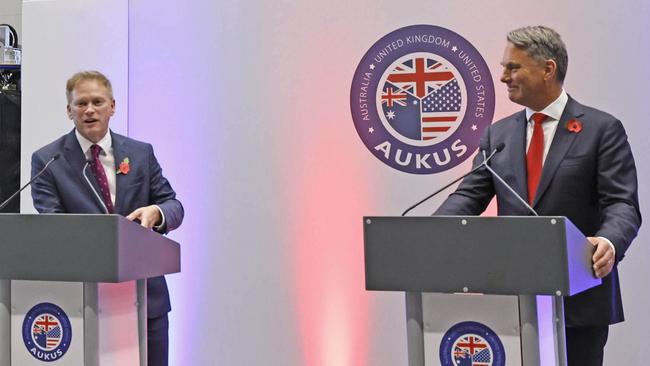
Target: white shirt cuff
<point>162,222</point>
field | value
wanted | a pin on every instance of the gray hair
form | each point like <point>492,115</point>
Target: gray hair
<point>542,43</point>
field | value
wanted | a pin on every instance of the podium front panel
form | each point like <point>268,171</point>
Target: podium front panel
<point>492,255</point>
<point>473,329</point>
<point>75,324</point>
<point>47,323</point>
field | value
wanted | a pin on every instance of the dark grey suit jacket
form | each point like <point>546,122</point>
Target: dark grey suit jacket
<point>589,177</point>
<point>63,189</point>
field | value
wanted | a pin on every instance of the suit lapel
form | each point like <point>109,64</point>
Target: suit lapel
<point>562,141</point>
<point>77,160</point>
<point>517,145</point>
<point>120,152</point>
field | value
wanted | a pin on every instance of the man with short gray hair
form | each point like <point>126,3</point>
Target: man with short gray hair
<point>566,159</point>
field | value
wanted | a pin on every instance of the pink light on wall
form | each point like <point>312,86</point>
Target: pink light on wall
<point>332,306</point>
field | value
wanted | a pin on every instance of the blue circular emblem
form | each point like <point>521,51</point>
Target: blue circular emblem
<point>47,332</point>
<point>421,98</point>
<point>471,343</point>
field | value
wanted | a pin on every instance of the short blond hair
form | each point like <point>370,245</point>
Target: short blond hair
<point>87,75</point>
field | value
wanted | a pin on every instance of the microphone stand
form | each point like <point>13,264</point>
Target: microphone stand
<point>484,163</point>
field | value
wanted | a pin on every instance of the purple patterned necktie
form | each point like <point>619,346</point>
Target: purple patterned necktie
<point>100,177</point>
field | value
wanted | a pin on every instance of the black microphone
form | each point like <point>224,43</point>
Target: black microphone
<point>498,177</point>
<point>6,202</point>
<point>497,149</point>
<point>101,201</point>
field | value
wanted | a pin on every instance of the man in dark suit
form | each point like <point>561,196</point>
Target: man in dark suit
<point>566,159</point>
<point>122,177</point>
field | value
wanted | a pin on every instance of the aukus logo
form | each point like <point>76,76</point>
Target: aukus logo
<point>47,332</point>
<point>421,98</point>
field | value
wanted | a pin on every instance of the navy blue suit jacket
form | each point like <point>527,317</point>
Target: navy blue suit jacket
<point>589,177</point>
<point>63,189</point>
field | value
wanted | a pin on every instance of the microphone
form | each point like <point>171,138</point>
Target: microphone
<point>497,149</point>
<point>6,202</point>
<point>101,201</point>
<point>498,177</point>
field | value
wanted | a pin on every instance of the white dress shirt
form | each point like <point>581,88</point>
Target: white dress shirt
<point>554,113</point>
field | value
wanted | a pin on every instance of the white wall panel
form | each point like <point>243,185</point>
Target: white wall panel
<point>60,38</point>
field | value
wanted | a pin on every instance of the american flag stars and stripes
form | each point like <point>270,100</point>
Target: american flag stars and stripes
<point>483,357</point>
<point>441,110</point>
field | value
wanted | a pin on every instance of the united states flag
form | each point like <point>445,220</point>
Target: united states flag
<point>53,337</point>
<point>482,358</point>
<point>441,110</point>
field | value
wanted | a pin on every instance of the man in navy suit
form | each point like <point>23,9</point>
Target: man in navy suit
<point>122,177</point>
<point>568,160</point>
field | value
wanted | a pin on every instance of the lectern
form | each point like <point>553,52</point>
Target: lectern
<point>73,288</point>
<point>519,266</point>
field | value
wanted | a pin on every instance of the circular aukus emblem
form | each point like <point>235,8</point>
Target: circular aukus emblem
<point>471,343</point>
<point>421,98</point>
<point>47,332</point>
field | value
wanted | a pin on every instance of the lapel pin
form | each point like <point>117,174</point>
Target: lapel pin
<point>574,126</point>
<point>124,167</point>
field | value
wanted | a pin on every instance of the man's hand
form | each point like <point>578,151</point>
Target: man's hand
<point>148,216</point>
<point>603,257</point>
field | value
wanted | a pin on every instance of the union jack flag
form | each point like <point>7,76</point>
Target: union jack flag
<point>422,74</point>
<point>391,95</point>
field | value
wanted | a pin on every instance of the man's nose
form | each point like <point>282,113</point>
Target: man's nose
<point>505,77</point>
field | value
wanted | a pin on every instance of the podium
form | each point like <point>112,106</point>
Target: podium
<point>528,263</point>
<point>73,288</point>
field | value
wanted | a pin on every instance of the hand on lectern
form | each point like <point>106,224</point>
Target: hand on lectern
<point>603,258</point>
<point>148,216</point>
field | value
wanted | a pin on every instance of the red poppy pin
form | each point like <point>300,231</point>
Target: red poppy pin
<point>124,167</point>
<point>574,126</point>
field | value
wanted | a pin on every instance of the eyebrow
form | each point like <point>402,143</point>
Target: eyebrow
<point>510,64</point>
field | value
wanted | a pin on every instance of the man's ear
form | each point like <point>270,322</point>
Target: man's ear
<point>550,70</point>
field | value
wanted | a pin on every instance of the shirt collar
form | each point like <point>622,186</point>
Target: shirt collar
<point>553,110</point>
<point>105,143</point>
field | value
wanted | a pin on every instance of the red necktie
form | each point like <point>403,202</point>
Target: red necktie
<point>100,177</point>
<point>535,156</point>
